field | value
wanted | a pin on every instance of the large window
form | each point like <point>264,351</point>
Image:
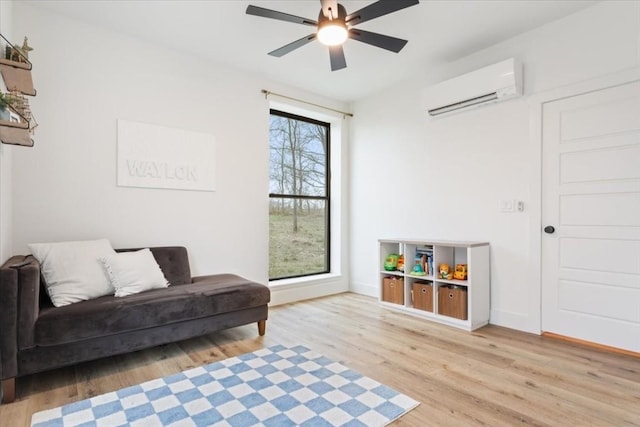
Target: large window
<point>299,196</point>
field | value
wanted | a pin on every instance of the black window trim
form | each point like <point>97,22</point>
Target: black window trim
<point>326,197</point>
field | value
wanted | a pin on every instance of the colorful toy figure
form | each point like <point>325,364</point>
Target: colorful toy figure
<point>461,272</point>
<point>444,271</point>
<point>391,262</point>
<point>418,270</point>
<point>400,266</point>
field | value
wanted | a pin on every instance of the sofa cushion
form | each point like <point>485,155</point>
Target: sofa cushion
<point>206,296</point>
<point>72,271</point>
<point>134,272</point>
<point>173,261</point>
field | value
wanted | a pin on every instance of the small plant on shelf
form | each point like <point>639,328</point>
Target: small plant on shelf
<point>6,101</point>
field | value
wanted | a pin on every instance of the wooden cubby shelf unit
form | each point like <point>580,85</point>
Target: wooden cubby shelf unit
<point>463,304</point>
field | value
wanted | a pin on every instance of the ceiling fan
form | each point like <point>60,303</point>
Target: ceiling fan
<point>334,26</point>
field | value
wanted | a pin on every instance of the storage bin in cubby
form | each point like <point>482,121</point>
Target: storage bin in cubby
<point>422,295</point>
<point>452,301</point>
<point>393,290</point>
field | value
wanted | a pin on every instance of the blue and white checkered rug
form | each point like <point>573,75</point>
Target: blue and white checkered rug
<point>276,386</point>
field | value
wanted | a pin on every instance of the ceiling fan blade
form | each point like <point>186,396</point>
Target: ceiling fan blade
<point>377,9</point>
<point>274,14</point>
<point>379,40</point>
<point>336,54</point>
<point>330,8</point>
<point>293,45</point>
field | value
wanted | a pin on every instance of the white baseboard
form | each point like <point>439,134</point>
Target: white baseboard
<point>306,288</point>
<point>364,289</point>
<point>512,320</point>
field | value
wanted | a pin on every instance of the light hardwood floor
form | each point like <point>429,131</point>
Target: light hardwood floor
<point>492,377</point>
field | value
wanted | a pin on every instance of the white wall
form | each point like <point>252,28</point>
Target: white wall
<point>65,187</point>
<point>5,153</point>
<point>442,178</point>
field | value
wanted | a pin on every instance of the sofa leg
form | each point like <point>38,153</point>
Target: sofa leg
<point>8,390</point>
<point>262,327</point>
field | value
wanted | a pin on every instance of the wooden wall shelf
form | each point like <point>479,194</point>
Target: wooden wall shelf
<point>16,75</point>
<point>19,125</point>
<point>16,64</point>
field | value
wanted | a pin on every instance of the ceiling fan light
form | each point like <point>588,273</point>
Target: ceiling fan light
<point>332,33</point>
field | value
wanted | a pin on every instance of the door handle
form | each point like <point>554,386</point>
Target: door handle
<point>549,229</point>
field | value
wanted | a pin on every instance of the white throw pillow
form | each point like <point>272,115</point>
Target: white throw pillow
<point>72,271</point>
<point>133,272</point>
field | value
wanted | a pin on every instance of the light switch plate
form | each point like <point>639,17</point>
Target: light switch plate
<point>507,206</point>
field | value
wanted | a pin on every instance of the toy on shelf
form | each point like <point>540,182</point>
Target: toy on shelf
<point>461,272</point>
<point>444,271</point>
<point>418,270</point>
<point>400,266</point>
<point>391,262</point>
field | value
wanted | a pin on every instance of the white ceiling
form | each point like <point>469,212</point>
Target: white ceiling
<point>438,32</point>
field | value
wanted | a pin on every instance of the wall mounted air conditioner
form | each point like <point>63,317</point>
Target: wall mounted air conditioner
<point>490,84</point>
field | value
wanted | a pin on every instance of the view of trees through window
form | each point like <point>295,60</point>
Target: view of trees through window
<point>299,196</point>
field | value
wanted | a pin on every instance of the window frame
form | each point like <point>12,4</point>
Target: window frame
<point>326,198</point>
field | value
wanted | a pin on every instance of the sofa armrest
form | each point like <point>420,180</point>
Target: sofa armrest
<point>19,308</point>
<point>9,319</point>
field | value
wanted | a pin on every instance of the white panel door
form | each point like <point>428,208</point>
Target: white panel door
<point>591,197</point>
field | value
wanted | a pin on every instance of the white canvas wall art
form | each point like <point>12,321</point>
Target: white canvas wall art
<point>152,156</point>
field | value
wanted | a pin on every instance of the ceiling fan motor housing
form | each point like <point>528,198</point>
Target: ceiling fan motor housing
<point>332,31</point>
<point>342,14</point>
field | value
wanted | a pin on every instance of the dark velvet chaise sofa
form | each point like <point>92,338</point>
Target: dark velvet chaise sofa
<point>36,336</point>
